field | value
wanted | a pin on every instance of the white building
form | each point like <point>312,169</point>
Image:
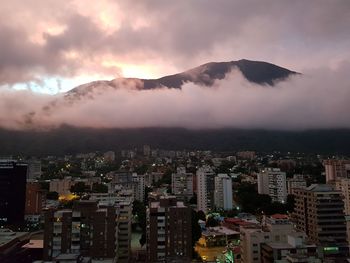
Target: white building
<point>139,186</point>
<point>272,182</point>
<point>205,189</point>
<point>223,192</point>
<point>182,184</point>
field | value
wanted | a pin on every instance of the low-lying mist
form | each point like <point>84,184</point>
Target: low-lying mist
<point>319,98</point>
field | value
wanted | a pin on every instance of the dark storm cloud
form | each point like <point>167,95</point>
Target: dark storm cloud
<point>181,34</point>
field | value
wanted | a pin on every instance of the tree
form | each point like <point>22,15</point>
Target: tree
<point>212,221</point>
<point>290,203</point>
<point>147,191</point>
<point>139,211</point>
<point>201,215</point>
<point>142,169</point>
<point>79,188</point>
<point>193,199</point>
<point>99,188</point>
<point>52,196</point>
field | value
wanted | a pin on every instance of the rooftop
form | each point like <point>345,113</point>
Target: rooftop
<point>6,236</point>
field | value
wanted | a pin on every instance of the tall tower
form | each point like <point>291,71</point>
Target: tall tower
<point>205,189</point>
<point>223,192</point>
<point>12,191</point>
<point>169,230</point>
<point>319,212</point>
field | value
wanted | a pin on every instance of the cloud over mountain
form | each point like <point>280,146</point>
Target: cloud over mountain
<point>316,99</point>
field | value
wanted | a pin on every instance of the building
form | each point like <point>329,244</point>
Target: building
<point>205,189</point>
<point>343,185</point>
<point>152,178</point>
<point>273,229</point>
<point>139,186</point>
<point>11,245</point>
<point>298,181</point>
<point>182,184</point>
<point>123,209</point>
<point>12,191</point>
<point>34,169</point>
<point>124,216</point>
<point>247,155</point>
<point>295,249</point>
<point>319,212</point>
<point>336,169</point>
<point>35,201</point>
<point>272,182</point>
<point>85,229</point>
<point>223,198</point>
<point>168,230</point>
<point>61,186</point>
<point>218,236</point>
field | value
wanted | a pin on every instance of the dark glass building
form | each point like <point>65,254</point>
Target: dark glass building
<point>12,191</point>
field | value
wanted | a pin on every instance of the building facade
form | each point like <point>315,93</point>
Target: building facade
<point>294,183</point>
<point>272,182</point>
<point>205,189</point>
<point>182,184</point>
<point>336,169</point>
<point>85,230</point>
<point>12,191</point>
<point>223,197</point>
<point>169,232</point>
<point>319,212</point>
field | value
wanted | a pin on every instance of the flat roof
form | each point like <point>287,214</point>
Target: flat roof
<point>34,244</point>
<point>7,236</point>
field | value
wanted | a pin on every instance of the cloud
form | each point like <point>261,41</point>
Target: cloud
<point>47,38</point>
<point>316,99</point>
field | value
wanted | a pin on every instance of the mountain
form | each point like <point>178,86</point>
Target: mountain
<point>258,72</point>
<point>70,140</point>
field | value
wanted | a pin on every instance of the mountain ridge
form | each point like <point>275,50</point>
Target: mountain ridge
<point>259,72</point>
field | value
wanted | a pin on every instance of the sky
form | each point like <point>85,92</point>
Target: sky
<point>48,47</point>
<point>51,46</point>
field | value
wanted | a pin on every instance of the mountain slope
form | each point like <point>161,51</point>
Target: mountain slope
<point>69,140</point>
<point>258,72</point>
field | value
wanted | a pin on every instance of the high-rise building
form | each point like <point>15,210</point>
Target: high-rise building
<point>319,212</point>
<point>124,215</point>
<point>139,186</point>
<point>169,232</point>
<point>182,184</point>
<point>12,191</point>
<point>86,230</point>
<point>205,189</point>
<point>223,192</point>
<point>336,169</point>
<point>296,182</point>
<point>272,182</point>
<point>123,209</point>
<point>35,199</point>
<point>343,185</point>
